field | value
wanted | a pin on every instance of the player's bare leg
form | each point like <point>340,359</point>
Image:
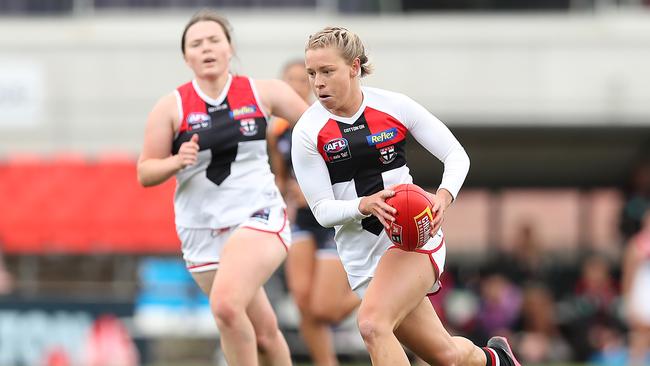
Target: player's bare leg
<point>300,271</point>
<point>272,347</point>
<point>247,261</point>
<point>423,333</point>
<point>332,299</point>
<point>399,285</point>
<point>260,312</point>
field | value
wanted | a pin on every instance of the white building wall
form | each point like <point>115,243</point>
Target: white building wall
<point>86,84</point>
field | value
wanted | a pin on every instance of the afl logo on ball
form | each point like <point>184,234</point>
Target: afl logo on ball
<point>337,150</point>
<point>423,224</point>
<point>396,233</point>
<point>248,127</point>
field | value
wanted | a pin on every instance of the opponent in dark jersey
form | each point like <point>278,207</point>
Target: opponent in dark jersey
<point>315,276</point>
<point>210,134</point>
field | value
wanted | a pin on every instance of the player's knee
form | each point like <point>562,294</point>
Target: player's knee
<point>328,313</point>
<point>226,312</point>
<point>372,327</point>
<point>321,311</point>
<point>301,296</point>
<point>266,340</point>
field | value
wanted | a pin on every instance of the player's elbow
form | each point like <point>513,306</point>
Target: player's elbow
<point>320,216</point>
<point>324,222</point>
<point>143,178</point>
<point>461,159</point>
<point>466,161</point>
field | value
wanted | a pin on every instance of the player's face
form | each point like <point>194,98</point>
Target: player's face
<point>332,79</point>
<point>207,50</point>
<point>296,77</point>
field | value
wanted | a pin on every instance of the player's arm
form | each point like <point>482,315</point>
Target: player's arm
<point>156,164</point>
<point>315,184</point>
<point>280,100</point>
<point>434,136</point>
<point>278,167</point>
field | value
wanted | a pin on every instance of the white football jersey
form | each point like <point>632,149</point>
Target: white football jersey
<point>337,160</point>
<point>232,178</point>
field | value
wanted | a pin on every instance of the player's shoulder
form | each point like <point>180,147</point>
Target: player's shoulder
<point>384,96</point>
<point>385,100</point>
<point>312,120</point>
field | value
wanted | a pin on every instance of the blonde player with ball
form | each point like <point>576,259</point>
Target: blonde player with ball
<point>347,150</point>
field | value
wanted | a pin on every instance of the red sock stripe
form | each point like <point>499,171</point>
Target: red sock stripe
<point>489,355</point>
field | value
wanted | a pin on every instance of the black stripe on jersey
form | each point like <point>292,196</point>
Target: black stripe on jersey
<point>223,138</point>
<point>365,165</point>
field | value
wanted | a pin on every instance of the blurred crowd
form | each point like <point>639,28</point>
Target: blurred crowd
<point>555,306</point>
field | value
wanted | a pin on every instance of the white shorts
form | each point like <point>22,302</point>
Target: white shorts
<point>437,252</point>
<point>202,247</point>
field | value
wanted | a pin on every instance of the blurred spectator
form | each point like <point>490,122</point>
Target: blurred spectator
<point>637,199</point>
<point>539,338</point>
<point>590,313</point>
<point>527,261</point>
<point>636,291</point>
<point>500,305</point>
<point>597,287</point>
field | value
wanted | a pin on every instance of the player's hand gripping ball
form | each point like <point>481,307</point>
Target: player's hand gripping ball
<point>413,220</point>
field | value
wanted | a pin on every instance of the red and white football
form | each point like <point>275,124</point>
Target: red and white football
<point>413,219</point>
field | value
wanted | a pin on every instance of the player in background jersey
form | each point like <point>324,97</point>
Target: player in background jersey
<point>230,217</point>
<point>355,136</point>
<point>636,285</point>
<point>314,272</point>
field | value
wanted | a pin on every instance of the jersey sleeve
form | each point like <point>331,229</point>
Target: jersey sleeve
<point>431,133</point>
<point>313,178</point>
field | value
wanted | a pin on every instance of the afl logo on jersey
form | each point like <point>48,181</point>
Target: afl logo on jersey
<point>244,111</point>
<point>248,127</point>
<point>198,121</point>
<point>337,150</point>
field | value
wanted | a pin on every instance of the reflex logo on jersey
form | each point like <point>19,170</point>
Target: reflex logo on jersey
<point>198,121</point>
<point>337,150</point>
<point>248,127</point>
<point>423,223</point>
<point>244,111</point>
<point>382,136</point>
<point>387,154</point>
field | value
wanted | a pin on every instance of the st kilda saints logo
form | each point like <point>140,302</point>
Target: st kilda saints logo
<point>248,127</point>
<point>337,150</point>
<point>423,224</point>
<point>387,154</point>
